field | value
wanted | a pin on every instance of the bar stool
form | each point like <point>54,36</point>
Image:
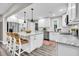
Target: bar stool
<point>10,42</point>
<point>17,44</point>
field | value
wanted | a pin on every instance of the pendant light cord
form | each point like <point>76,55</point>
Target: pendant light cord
<point>24,17</point>
<point>32,14</point>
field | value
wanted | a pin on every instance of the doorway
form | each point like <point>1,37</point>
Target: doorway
<point>55,26</point>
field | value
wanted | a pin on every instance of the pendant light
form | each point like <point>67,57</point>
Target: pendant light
<point>32,19</point>
<point>32,15</point>
<point>24,17</point>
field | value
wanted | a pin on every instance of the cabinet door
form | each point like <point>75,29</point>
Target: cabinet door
<point>39,40</point>
<point>32,42</point>
<point>52,36</point>
<point>71,11</point>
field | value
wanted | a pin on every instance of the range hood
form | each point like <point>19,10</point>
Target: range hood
<point>76,20</point>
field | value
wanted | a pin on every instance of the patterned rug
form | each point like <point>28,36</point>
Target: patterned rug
<point>49,48</point>
<point>46,42</point>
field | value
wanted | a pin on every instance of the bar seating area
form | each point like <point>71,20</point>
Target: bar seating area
<point>15,43</point>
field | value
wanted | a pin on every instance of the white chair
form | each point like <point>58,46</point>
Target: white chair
<point>10,44</point>
<point>18,44</point>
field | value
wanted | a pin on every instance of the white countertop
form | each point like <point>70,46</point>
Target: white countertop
<point>67,39</point>
<point>29,34</point>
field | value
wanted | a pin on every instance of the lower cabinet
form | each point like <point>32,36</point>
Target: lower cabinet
<point>53,36</point>
<point>32,42</point>
<point>36,41</point>
<point>57,37</point>
<point>39,40</point>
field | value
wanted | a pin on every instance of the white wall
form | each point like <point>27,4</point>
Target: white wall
<point>63,20</point>
<point>4,29</point>
<point>44,22</point>
<point>1,28</point>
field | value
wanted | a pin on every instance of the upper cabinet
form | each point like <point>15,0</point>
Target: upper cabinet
<point>71,11</point>
<point>70,16</point>
<point>45,22</point>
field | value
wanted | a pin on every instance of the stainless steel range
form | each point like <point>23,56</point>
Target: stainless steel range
<point>46,34</point>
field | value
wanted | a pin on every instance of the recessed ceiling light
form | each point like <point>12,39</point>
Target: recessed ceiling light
<point>53,15</point>
<point>61,10</point>
<point>71,7</point>
<point>13,17</point>
<point>40,17</point>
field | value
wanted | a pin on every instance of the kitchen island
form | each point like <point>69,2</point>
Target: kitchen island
<point>35,40</point>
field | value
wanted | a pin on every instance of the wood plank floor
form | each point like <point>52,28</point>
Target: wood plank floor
<point>42,51</point>
<point>3,50</point>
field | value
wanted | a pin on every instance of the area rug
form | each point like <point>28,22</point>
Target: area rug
<point>46,42</point>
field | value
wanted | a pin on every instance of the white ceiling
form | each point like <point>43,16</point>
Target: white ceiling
<point>16,8</point>
<point>4,7</point>
<point>44,10</point>
<point>7,9</point>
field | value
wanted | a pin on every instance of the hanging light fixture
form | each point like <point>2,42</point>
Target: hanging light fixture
<point>24,17</point>
<point>26,30</point>
<point>32,15</point>
<point>32,19</point>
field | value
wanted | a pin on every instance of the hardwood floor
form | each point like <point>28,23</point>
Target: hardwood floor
<point>3,50</point>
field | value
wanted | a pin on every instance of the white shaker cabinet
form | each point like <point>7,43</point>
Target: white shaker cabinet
<point>71,11</point>
<point>36,41</point>
<point>32,42</point>
<point>57,37</point>
<point>53,36</point>
<point>39,40</point>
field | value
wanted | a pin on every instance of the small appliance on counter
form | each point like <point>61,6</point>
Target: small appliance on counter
<point>75,32</point>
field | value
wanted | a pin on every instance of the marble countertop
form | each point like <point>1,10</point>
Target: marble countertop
<point>67,39</point>
<point>29,34</point>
